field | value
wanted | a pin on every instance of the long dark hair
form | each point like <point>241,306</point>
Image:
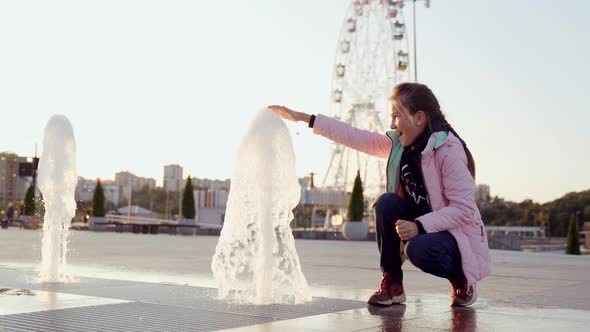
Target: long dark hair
<point>416,97</point>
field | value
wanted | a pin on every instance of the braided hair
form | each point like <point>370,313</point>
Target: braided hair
<point>416,97</point>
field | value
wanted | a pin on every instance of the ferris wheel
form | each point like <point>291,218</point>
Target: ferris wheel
<point>372,56</point>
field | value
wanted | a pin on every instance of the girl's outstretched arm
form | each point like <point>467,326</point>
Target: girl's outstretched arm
<point>372,143</point>
<point>289,114</point>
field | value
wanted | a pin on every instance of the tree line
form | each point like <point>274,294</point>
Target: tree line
<point>554,215</point>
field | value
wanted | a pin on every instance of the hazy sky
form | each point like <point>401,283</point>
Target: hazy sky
<point>148,83</point>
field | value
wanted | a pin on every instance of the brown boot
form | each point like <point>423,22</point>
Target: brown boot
<point>463,295</point>
<point>390,292</point>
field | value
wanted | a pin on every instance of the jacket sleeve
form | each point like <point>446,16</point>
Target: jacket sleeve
<point>459,190</point>
<point>372,143</point>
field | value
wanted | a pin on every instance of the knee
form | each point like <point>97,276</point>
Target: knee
<point>387,203</point>
<point>419,252</point>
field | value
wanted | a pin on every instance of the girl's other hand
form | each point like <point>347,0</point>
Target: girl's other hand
<point>406,229</point>
<point>289,114</point>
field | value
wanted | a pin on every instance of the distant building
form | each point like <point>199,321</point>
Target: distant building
<point>173,180</point>
<point>210,200</point>
<point>482,193</point>
<point>128,180</point>
<point>85,190</point>
<point>211,184</point>
<point>13,187</point>
<point>145,183</point>
<point>125,179</point>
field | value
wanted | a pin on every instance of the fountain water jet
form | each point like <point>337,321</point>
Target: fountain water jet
<point>255,260</point>
<point>57,183</point>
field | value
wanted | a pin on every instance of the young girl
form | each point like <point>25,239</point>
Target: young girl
<point>430,200</point>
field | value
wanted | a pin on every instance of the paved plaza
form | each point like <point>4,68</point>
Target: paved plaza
<point>140,282</point>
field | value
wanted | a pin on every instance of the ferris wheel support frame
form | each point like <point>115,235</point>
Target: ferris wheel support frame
<point>338,168</point>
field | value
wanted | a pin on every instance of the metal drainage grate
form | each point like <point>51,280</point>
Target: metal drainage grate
<point>127,317</point>
<point>187,298</point>
<point>204,299</point>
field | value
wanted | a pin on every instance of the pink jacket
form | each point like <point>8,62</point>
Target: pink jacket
<point>450,187</point>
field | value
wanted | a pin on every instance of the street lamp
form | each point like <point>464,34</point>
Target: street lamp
<point>427,5</point>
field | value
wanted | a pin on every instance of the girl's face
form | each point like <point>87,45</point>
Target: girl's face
<point>407,127</point>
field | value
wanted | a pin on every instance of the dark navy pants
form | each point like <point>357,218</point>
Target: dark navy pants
<point>434,253</point>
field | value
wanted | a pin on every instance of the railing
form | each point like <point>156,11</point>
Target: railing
<point>133,220</point>
<point>533,231</point>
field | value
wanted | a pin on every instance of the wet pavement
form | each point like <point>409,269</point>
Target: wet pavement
<point>132,282</point>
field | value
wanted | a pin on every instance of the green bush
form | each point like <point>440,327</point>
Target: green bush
<point>188,200</point>
<point>98,202</point>
<point>356,205</point>
<point>573,239</point>
<point>30,201</point>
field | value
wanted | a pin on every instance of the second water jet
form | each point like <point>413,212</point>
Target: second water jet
<point>57,182</point>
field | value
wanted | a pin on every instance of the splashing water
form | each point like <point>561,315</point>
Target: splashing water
<point>255,260</point>
<point>57,182</point>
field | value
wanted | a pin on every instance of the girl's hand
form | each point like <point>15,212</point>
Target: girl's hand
<point>289,114</point>
<point>406,229</point>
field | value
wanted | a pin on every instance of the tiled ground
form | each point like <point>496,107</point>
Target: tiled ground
<point>93,304</point>
<point>526,292</point>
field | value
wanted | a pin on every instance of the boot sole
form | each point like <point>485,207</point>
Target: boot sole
<point>394,300</point>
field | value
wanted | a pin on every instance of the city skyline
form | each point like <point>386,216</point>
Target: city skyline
<point>178,82</point>
<point>121,186</point>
